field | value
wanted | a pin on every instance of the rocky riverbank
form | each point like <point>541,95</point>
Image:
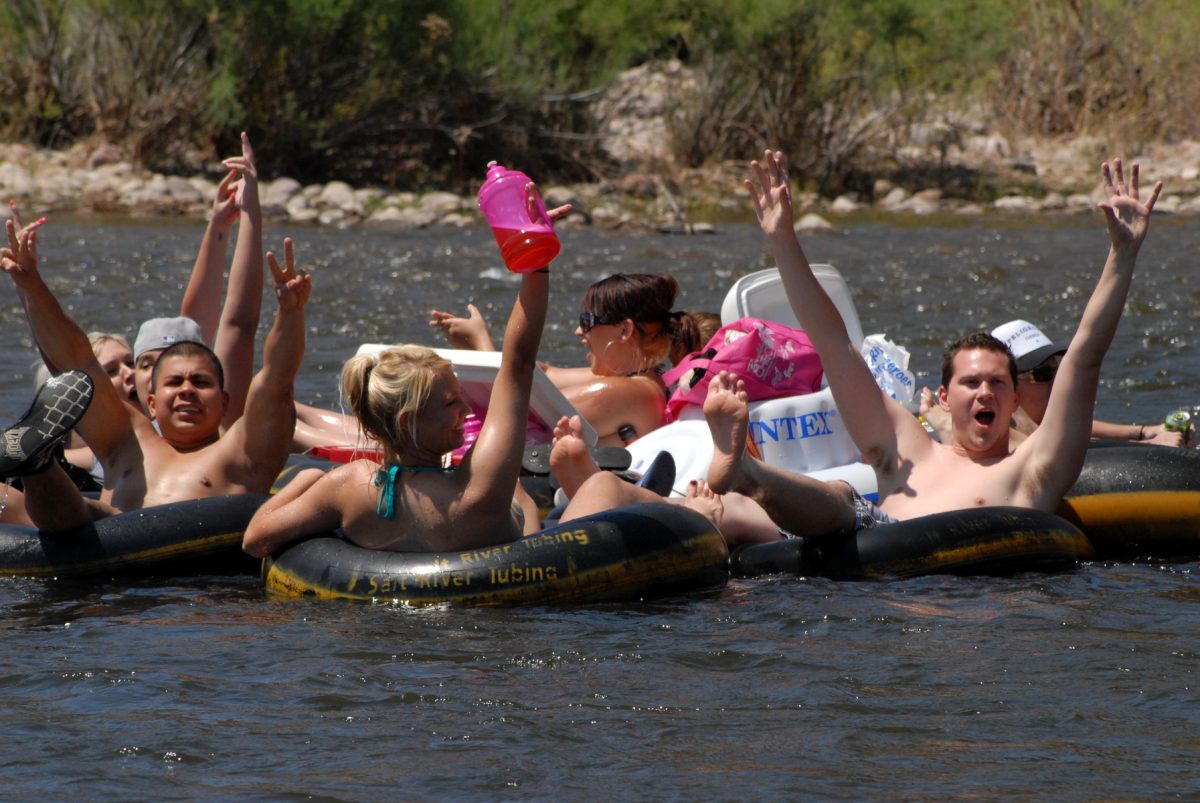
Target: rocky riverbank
<point>689,201</point>
<point>1017,178</point>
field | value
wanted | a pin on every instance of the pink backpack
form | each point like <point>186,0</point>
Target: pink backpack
<point>773,360</point>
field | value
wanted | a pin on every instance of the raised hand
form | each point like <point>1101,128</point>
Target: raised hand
<point>770,193</point>
<point>225,204</point>
<point>292,287</point>
<point>1128,219</point>
<point>463,333</point>
<point>19,258</point>
<point>247,187</point>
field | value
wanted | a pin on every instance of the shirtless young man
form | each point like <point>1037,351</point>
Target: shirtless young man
<point>917,475</point>
<point>191,459</point>
<point>1037,364</point>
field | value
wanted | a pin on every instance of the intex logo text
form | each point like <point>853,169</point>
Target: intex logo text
<point>792,428</point>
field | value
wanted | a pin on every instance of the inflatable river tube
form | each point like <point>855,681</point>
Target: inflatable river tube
<point>1138,501</point>
<point>990,541</point>
<point>622,554</point>
<point>195,537</point>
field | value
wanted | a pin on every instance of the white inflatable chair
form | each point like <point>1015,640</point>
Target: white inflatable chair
<point>476,372</point>
<point>801,433</point>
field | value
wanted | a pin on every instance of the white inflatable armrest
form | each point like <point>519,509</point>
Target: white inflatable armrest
<point>476,370</point>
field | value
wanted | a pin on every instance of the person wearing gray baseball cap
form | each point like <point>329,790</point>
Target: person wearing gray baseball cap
<point>153,337</point>
<point>190,458</point>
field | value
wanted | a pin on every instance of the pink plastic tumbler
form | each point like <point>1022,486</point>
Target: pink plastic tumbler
<point>518,219</point>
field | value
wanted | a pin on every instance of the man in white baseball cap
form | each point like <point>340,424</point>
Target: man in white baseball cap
<point>1038,359</point>
<point>1028,344</point>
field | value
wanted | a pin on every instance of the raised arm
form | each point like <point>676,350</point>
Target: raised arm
<point>231,327</point>
<point>262,437</point>
<point>493,463</point>
<point>202,297</point>
<point>64,345</point>
<point>1058,446</point>
<point>873,420</point>
<point>495,459</point>
<point>234,343</point>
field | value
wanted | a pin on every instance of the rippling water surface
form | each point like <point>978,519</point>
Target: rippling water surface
<point>1078,686</point>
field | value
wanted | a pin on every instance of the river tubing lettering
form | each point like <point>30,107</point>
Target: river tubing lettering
<point>522,574</point>
<point>382,586</point>
<point>560,537</point>
<point>486,553</point>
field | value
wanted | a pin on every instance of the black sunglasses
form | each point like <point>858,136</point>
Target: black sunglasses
<point>589,319</point>
<point>1042,374</point>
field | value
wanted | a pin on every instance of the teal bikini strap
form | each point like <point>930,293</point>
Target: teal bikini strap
<point>386,477</point>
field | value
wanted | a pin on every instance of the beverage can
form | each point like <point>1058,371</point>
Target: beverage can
<point>1178,421</point>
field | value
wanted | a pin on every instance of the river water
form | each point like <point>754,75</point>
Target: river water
<point>1080,685</point>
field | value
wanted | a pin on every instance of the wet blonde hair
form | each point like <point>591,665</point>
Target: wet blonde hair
<point>379,388</point>
<point>41,372</point>
<point>98,339</point>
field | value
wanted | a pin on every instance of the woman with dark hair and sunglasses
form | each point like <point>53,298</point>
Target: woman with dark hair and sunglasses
<point>629,330</point>
<point>1037,364</point>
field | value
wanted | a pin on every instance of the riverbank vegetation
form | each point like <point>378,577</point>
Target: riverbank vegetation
<point>412,94</point>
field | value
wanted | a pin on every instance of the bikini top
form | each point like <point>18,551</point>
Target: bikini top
<point>386,477</point>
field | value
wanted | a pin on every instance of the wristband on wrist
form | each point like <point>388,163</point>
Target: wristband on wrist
<point>1141,433</point>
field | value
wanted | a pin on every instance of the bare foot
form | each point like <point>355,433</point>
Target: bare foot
<point>570,458</point>
<point>728,421</point>
<point>701,499</point>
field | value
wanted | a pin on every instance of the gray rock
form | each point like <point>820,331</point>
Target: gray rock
<point>845,204</point>
<point>386,215</point>
<point>305,215</point>
<point>1190,207</point>
<point>406,218</point>
<point>331,216</point>
<point>104,155</point>
<point>182,190</point>
<point>339,195</point>
<point>894,197</point>
<point>558,196</point>
<point>919,205</point>
<point>635,109</point>
<point>299,204</point>
<point>1079,201</point>
<point>279,191</point>
<point>1053,201</point>
<point>812,223</point>
<point>401,199</point>
<point>457,219</point>
<point>441,202</point>
<point>1015,203</point>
